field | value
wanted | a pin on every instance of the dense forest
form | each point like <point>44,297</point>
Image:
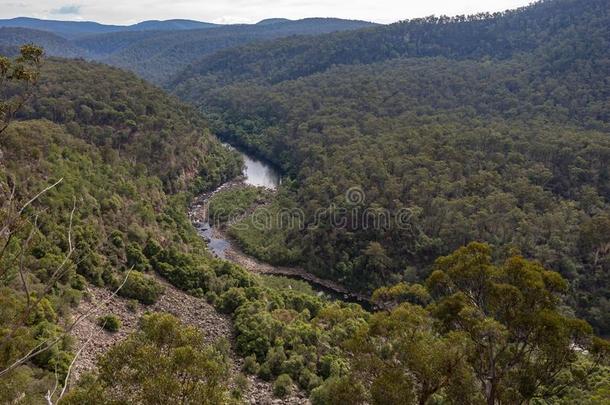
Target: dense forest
<point>455,170</point>
<point>490,128</point>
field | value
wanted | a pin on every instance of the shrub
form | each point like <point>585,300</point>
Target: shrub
<point>110,323</point>
<point>275,358</point>
<point>165,361</point>
<point>264,372</point>
<point>211,297</point>
<point>142,288</point>
<point>332,366</point>
<point>293,365</point>
<point>136,258</point>
<point>282,386</point>
<point>241,384</point>
<point>251,366</point>
<point>309,380</point>
<point>232,299</point>
<point>342,390</point>
<point>132,305</point>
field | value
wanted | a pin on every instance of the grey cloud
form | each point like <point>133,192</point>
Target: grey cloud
<point>67,9</point>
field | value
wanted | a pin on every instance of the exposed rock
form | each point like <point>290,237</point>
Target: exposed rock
<point>190,310</point>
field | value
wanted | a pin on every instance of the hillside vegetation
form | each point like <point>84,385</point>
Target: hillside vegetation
<point>83,133</point>
<point>490,128</point>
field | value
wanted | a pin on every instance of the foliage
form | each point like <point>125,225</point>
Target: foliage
<point>286,283</point>
<point>110,323</point>
<point>401,359</point>
<point>132,120</point>
<point>282,386</point>
<point>142,288</point>
<point>265,233</point>
<point>493,334</point>
<point>594,388</point>
<point>22,73</point>
<point>117,204</point>
<point>163,362</point>
<point>229,205</point>
<point>510,315</point>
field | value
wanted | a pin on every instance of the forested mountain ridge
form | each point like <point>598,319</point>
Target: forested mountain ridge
<point>490,128</point>
<point>166,47</point>
<point>75,29</point>
<point>159,56</point>
<point>11,39</point>
<point>499,36</point>
<point>135,119</point>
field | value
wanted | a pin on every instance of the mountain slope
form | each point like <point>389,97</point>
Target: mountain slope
<point>123,154</point>
<point>12,38</point>
<point>149,127</point>
<point>157,50</point>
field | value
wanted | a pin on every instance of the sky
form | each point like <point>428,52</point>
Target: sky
<point>125,12</point>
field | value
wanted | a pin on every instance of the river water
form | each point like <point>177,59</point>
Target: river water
<point>256,173</point>
<point>260,174</point>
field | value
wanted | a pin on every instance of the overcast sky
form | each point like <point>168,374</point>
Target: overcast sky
<point>244,11</point>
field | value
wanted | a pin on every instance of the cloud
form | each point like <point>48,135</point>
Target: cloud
<point>67,10</point>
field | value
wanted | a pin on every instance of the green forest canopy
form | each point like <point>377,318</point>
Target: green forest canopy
<point>489,127</point>
<point>410,133</point>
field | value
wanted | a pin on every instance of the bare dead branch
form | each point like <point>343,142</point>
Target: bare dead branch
<point>22,261</point>
<point>37,196</point>
<point>57,274</point>
<point>76,356</point>
<point>50,394</point>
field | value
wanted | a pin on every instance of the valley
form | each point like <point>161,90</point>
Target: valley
<point>306,210</point>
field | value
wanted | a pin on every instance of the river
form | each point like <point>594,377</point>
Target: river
<point>261,174</point>
<point>256,173</point>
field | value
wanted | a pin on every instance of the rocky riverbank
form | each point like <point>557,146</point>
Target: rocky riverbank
<point>232,252</point>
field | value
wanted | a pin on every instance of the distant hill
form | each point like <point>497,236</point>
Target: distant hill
<point>67,29</point>
<point>270,21</point>
<point>157,50</point>
<point>12,38</point>
<point>170,25</point>
<point>74,29</point>
<point>500,35</point>
<point>157,56</point>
